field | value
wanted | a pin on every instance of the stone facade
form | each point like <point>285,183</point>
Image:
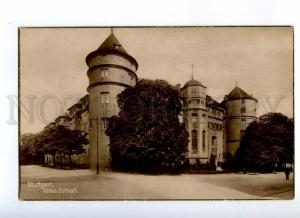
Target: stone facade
<point>203,118</point>
<point>240,112</point>
<point>111,70</point>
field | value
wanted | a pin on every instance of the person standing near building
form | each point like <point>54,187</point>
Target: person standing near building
<point>287,172</point>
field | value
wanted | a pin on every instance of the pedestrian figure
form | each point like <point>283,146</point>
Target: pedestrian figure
<point>244,170</point>
<point>287,173</point>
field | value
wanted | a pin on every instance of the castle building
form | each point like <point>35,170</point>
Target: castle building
<point>203,118</point>
<point>215,129</point>
<point>111,70</point>
<point>240,112</point>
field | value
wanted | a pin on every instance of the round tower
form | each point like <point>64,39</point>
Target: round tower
<point>195,119</point>
<point>111,70</point>
<point>240,112</point>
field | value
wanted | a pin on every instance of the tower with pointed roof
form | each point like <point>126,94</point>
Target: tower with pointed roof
<point>240,112</point>
<point>111,70</point>
<point>203,118</point>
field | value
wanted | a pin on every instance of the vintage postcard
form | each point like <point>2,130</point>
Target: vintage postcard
<point>156,113</point>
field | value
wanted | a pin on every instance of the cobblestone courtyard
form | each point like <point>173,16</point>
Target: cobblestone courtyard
<point>46,183</point>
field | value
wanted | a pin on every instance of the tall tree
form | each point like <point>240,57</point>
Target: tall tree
<point>28,151</point>
<point>147,135</point>
<point>62,141</point>
<point>267,142</point>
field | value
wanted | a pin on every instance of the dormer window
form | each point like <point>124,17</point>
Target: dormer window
<point>117,45</point>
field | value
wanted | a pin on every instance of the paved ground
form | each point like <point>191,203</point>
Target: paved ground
<point>45,183</point>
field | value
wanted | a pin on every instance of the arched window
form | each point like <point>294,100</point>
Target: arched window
<point>195,120</point>
<point>194,117</point>
<point>213,145</point>
<point>203,140</point>
<point>213,140</point>
<point>194,142</point>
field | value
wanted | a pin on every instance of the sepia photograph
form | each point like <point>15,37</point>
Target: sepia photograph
<point>156,113</point>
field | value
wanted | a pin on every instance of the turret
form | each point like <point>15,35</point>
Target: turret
<point>240,112</point>
<point>111,70</point>
<point>193,94</point>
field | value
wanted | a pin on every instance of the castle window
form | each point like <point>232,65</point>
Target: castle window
<point>117,45</point>
<point>194,101</point>
<point>242,133</point>
<point>243,110</point>
<point>104,123</point>
<point>243,122</point>
<point>203,141</point>
<point>243,101</point>
<point>104,74</point>
<point>194,90</point>
<point>104,97</point>
<point>213,140</point>
<point>213,144</point>
<point>194,117</point>
<point>130,76</point>
<point>194,142</point>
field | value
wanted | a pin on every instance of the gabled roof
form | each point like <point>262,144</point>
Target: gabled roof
<point>213,103</point>
<point>238,93</point>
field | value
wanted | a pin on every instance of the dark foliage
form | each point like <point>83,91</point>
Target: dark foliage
<point>29,153</point>
<point>147,135</point>
<point>268,142</point>
<point>56,141</point>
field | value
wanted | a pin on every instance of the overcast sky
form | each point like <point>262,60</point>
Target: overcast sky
<point>260,60</point>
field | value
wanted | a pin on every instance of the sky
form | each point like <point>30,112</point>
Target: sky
<point>258,59</point>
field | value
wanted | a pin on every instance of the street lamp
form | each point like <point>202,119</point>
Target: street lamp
<point>97,166</point>
<point>97,144</point>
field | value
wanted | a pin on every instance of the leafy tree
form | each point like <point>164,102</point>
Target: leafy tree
<point>267,142</point>
<point>28,154</point>
<point>147,135</point>
<point>62,141</point>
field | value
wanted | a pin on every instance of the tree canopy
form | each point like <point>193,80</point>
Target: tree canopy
<point>28,149</point>
<point>57,140</point>
<point>147,135</point>
<point>267,142</point>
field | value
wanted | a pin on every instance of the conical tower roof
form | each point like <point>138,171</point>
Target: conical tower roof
<point>238,93</point>
<point>111,45</point>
